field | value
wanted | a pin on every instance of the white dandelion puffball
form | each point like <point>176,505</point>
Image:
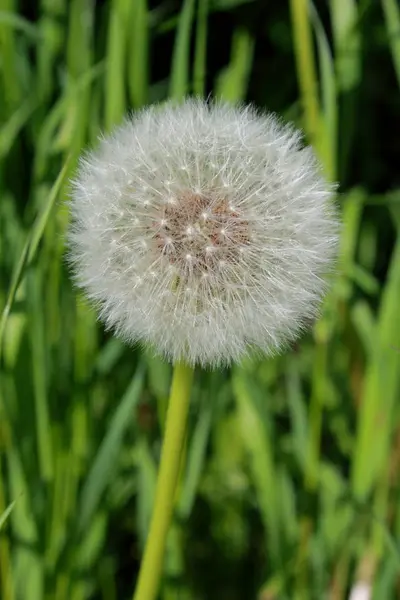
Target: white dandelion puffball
<point>203,229</point>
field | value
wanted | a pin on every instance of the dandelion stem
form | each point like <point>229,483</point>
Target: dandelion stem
<point>175,427</point>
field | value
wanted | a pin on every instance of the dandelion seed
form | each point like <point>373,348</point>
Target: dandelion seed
<point>203,276</point>
<point>361,591</point>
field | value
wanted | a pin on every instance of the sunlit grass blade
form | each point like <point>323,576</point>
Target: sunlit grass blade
<point>79,60</point>
<point>306,70</point>
<point>138,54</point>
<point>381,388</point>
<point>179,79</point>
<point>4,516</point>
<point>233,81</point>
<point>115,77</point>
<point>347,39</point>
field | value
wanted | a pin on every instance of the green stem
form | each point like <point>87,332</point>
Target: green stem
<point>175,427</point>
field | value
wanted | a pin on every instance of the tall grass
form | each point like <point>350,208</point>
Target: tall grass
<point>290,489</point>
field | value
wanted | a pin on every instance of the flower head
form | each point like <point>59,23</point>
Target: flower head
<point>204,230</point>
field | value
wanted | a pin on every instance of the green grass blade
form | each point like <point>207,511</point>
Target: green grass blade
<point>11,85</point>
<point>147,478</point>
<point>79,60</point>
<point>195,459</point>
<point>138,54</point>
<point>391,11</point>
<point>329,98</point>
<point>4,516</point>
<point>30,248</point>
<point>264,475</point>
<point>233,81</point>
<point>365,325</point>
<point>19,23</point>
<point>100,473</point>
<point>56,130</point>
<point>200,53</point>
<point>115,91</point>
<point>346,31</point>
<point>381,389</point>
<point>10,130</point>
<point>348,48</point>
<point>36,324</point>
<point>306,70</point>
<point>28,567</point>
<point>179,81</point>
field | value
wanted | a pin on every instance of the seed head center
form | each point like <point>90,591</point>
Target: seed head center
<point>200,233</point>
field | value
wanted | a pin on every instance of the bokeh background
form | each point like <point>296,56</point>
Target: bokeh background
<point>290,488</point>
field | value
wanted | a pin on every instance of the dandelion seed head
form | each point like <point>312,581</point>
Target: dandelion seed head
<point>205,230</point>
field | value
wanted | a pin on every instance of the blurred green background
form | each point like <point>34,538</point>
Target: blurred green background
<point>291,483</point>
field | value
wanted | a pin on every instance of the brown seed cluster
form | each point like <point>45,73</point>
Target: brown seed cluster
<point>201,233</point>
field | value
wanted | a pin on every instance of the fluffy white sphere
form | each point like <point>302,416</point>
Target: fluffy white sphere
<point>203,229</point>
